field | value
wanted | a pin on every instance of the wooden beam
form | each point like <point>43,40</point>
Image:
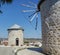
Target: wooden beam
<point>39,4</point>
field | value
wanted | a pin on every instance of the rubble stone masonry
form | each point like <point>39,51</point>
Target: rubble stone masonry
<point>50,13</point>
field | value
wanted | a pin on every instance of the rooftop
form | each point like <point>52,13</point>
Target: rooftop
<point>15,27</point>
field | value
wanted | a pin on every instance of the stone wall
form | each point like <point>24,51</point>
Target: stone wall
<point>6,51</point>
<point>50,13</point>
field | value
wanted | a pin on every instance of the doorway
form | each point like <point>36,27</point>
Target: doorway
<point>17,41</point>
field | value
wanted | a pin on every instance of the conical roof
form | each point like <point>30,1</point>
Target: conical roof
<point>15,27</point>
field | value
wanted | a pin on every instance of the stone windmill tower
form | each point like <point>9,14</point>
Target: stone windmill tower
<point>15,35</point>
<point>50,13</point>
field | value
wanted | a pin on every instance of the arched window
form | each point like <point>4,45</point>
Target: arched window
<point>17,41</point>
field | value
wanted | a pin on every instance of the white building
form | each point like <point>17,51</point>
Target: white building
<point>15,35</point>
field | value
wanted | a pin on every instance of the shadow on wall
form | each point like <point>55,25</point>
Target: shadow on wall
<point>36,49</point>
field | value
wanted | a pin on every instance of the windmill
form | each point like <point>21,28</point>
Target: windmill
<point>35,8</point>
<point>2,2</point>
<point>36,11</point>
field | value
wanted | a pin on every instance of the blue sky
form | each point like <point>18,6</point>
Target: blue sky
<point>12,15</point>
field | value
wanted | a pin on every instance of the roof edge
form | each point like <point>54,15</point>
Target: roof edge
<point>16,29</point>
<point>39,4</point>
